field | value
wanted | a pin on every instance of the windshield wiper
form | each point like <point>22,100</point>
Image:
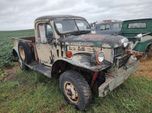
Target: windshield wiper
<point>75,33</point>
<point>80,32</point>
<point>85,31</point>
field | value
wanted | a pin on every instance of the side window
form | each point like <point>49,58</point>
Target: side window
<point>49,33</point>
<point>82,25</point>
<point>59,27</point>
<point>42,35</point>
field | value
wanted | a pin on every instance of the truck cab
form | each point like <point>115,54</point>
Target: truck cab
<point>51,32</point>
<point>64,47</point>
<point>139,32</point>
<point>108,27</point>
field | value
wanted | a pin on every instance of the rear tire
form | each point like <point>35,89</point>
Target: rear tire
<point>75,89</point>
<point>25,53</point>
<point>22,65</point>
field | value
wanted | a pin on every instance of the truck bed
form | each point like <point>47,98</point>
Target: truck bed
<point>36,66</point>
<point>28,39</point>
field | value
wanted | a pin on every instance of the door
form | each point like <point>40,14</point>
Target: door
<point>44,45</point>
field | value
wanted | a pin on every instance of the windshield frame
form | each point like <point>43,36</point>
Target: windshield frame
<point>74,19</point>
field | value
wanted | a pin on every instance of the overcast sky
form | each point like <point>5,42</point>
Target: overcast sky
<point>20,14</point>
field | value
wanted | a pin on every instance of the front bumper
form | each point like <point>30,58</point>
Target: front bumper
<point>117,76</point>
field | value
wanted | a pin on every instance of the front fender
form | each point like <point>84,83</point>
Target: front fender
<point>142,46</point>
<point>84,61</point>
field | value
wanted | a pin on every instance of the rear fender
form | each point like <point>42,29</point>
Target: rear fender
<point>15,54</point>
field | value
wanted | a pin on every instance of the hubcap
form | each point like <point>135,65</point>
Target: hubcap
<point>22,53</point>
<point>71,92</point>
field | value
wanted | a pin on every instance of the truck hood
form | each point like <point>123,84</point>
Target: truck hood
<point>110,41</point>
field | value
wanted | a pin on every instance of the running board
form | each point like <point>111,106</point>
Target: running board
<point>45,70</point>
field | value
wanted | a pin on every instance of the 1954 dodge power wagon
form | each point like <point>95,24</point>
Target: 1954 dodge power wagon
<point>139,32</point>
<point>64,47</point>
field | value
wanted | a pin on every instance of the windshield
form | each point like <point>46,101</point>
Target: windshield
<point>71,25</point>
<point>110,26</point>
<point>105,27</point>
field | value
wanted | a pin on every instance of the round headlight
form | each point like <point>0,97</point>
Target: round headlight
<point>124,42</point>
<point>100,57</point>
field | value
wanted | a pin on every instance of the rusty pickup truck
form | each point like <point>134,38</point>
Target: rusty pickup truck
<point>64,47</point>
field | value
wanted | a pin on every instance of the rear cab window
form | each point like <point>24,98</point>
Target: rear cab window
<point>137,25</point>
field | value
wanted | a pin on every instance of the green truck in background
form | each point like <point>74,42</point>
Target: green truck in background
<point>139,32</point>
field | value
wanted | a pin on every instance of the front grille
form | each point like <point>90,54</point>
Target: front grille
<point>121,61</point>
<point>120,57</point>
<point>119,51</point>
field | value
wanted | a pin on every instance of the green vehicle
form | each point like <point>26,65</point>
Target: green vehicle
<point>139,32</point>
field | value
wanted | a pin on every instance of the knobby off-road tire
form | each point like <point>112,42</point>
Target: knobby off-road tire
<point>25,55</point>
<point>75,89</point>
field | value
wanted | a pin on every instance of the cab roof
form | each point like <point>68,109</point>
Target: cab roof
<point>142,19</point>
<point>54,17</point>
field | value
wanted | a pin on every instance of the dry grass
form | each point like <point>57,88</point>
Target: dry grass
<point>145,69</point>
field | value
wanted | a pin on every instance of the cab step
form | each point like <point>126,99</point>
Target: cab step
<point>43,69</point>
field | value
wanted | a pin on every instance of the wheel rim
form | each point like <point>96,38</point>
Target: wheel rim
<point>71,92</point>
<point>22,53</point>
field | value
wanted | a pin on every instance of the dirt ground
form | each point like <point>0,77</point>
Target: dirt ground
<point>145,69</point>
<point>10,72</point>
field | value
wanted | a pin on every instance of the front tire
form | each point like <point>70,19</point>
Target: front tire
<point>75,89</point>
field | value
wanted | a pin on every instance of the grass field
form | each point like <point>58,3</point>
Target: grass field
<point>6,44</point>
<point>30,92</point>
